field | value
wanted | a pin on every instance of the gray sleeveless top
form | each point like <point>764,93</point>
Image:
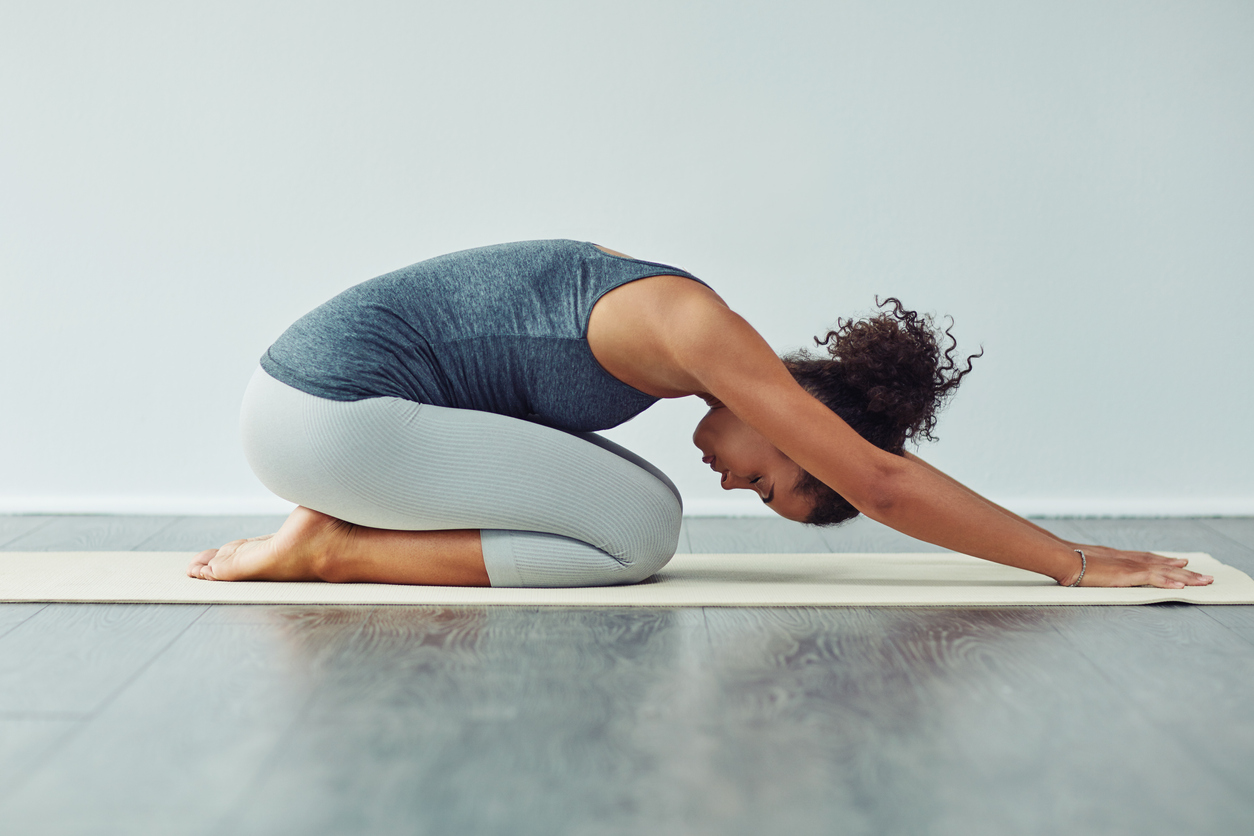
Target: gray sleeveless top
<point>500,329</point>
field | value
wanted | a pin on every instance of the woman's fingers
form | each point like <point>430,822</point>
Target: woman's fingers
<point>1195,578</point>
<point>1171,573</point>
<point>1174,578</point>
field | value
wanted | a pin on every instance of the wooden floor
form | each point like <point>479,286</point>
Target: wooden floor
<point>189,719</point>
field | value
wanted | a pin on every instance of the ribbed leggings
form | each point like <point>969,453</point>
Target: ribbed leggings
<point>553,508</point>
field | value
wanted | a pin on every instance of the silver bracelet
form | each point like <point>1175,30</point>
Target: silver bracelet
<point>1084,564</point>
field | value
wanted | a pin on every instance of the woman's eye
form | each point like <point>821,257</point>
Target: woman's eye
<point>755,480</point>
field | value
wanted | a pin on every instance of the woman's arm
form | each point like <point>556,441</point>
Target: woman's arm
<point>728,359</point>
<point>912,457</point>
<point>1091,551</point>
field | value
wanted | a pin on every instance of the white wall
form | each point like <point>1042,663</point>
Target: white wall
<point>1072,181</point>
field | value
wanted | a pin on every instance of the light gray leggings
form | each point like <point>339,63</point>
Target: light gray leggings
<point>554,508</point>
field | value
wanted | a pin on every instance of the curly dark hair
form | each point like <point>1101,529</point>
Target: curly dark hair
<point>887,377</point>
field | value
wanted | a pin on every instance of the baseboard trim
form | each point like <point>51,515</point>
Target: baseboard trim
<point>190,506</point>
<point>1036,507</point>
<point>729,507</point>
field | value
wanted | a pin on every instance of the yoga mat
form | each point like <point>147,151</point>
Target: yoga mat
<point>689,580</point>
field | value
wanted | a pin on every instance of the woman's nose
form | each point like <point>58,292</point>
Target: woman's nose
<point>730,482</point>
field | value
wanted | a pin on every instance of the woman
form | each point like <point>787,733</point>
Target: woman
<point>434,426</point>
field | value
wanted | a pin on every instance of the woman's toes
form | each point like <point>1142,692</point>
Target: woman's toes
<point>284,556</point>
<point>199,562</point>
<point>204,563</point>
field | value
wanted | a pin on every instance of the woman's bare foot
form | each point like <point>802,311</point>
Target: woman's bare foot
<point>296,552</point>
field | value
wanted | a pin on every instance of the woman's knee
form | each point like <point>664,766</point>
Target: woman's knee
<point>640,544</point>
<point>654,539</point>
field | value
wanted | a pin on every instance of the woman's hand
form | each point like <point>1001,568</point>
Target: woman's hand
<point>1112,567</point>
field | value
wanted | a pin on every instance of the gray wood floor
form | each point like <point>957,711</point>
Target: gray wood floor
<point>174,719</point>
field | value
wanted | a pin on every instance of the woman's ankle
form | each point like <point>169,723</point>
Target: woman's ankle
<point>332,554</point>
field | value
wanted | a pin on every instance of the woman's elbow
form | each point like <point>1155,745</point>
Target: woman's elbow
<point>879,506</point>
<point>880,495</point>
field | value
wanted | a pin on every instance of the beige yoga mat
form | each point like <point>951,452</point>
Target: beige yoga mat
<point>689,580</point>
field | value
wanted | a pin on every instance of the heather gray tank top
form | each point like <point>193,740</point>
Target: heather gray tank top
<point>499,329</point>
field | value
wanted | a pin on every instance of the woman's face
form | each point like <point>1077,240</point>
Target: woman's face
<point>746,460</point>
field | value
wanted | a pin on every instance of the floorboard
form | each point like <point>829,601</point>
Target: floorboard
<point>90,533</point>
<point>685,544</point>
<point>25,742</point>
<point>193,534</point>
<point>767,535</point>
<point>176,751</point>
<point>490,720</point>
<point>928,721</point>
<point>1239,529</point>
<point>70,658</point>
<point>764,535</point>
<point>231,720</point>
<point>14,614</point>
<point>1186,672</point>
<point>14,526</point>
<point>1239,620</point>
<point>865,535</point>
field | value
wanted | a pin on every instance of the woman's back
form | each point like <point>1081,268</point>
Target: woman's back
<point>499,329</point>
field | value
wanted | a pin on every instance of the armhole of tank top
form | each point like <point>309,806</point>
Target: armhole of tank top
<point>666,269</point>
<point>662,270</point>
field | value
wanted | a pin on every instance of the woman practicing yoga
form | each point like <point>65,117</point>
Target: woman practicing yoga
<point>434,426</point>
